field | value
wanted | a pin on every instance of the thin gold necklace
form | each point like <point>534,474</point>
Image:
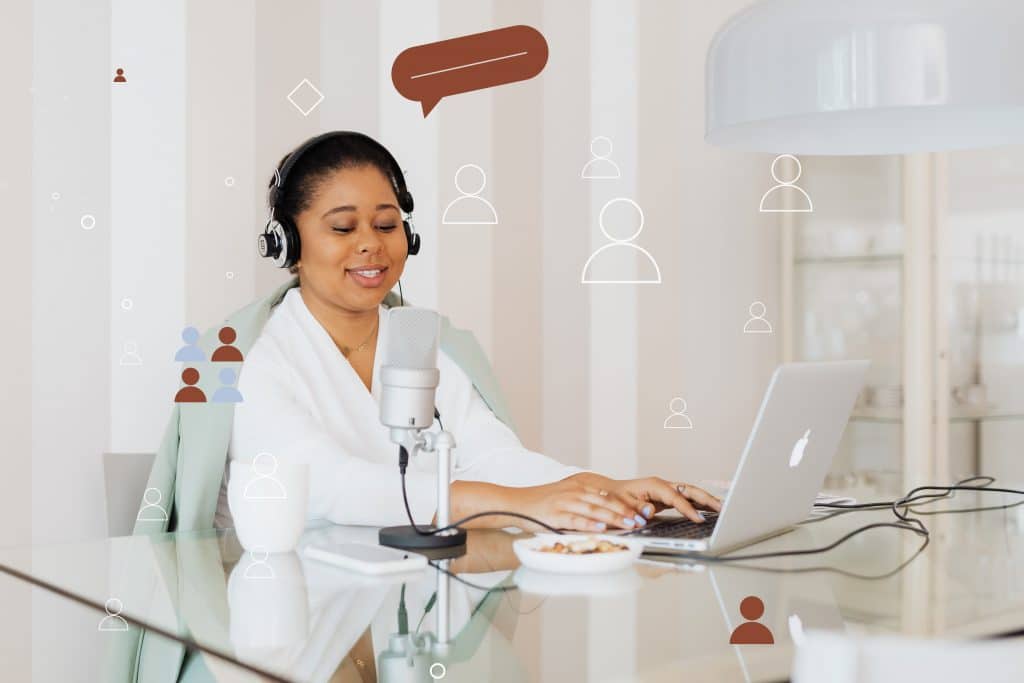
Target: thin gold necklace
<point>347,351</point>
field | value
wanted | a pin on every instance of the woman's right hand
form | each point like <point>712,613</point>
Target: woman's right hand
<point>571,504</point>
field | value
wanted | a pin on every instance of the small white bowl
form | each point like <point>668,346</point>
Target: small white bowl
<point>529,553</point>
<point>606,584</point>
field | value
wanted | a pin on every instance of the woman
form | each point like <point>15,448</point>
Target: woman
<point>311,385</point>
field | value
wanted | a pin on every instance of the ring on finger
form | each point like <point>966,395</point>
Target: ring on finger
<point>682,490</point>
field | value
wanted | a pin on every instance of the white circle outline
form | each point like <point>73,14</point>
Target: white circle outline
<point>604,231</point>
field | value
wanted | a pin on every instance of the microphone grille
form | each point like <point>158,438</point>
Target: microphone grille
<point>413,335</point>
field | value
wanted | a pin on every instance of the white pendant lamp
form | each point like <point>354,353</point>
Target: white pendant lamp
<point>852,77</point>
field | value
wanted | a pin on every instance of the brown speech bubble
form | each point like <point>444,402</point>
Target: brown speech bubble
<point>427,73</point>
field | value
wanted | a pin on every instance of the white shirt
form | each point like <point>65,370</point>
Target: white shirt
<point>304,402</point>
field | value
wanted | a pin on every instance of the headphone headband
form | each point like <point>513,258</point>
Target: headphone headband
<point>397,177</point>
<point>280,238</point>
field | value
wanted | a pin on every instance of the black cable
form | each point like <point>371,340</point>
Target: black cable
<point>403,462</point>
<point>499,588</point>
<point>915,497</point>
<point>503,513</point>
<point>786,553</point>
<point>905,522</point>
<point>888,503</point>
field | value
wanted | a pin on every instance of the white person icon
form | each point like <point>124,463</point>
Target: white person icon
<point>264,485</point>
<point>469,208</point>
<point>776,194</point>
<point>678,419</point>
<point>113,621</point>
<point>152,511</point>
<point>258,568</point>
<point>601,166</point>
<point>613,263</point>
<point>757,324</point>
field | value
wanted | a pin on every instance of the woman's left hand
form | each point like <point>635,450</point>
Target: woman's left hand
<point>653,494</point>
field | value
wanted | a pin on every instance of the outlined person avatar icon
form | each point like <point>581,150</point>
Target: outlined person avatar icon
<point>757,323</point>
<point>678,419</point>
<point>751,632</point>
<point>264,486</point>
<point>227,392</point>
<point>130,354</point>
<point>600,166</point>
<point>190,393</point>
<point>605,258</point>
<point>226,353</point>
<point>469,208</point>
<point>258,567</point>
<point>113,621</point>
<point>801,200</point>
<point>152,511</point>
<point>190,352</point>
<point>119,78</point>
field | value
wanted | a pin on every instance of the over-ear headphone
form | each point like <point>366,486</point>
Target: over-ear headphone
<point>280,238</point>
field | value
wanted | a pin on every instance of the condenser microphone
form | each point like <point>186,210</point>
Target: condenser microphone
<point>409,378</point>
<point>408,373</point>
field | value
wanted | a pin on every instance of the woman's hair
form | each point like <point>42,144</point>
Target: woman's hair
<point>325,157</point>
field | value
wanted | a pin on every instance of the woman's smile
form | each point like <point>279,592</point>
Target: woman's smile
<point>368,276</point>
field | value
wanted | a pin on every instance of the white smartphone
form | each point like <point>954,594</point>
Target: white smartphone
<point>366,558</point>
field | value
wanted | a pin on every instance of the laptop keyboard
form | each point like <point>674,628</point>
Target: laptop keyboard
<point>679,528</point>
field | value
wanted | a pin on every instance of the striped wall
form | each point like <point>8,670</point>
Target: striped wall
<point>173,166</point>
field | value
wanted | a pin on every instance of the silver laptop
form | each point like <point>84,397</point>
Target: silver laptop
<point>788,453</point>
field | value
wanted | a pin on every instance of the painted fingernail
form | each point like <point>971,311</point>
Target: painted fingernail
<point>601,526</point>
<point>648,510</point>
<point>701,515</point>
<point>640,520</point>
<point>628,522</point>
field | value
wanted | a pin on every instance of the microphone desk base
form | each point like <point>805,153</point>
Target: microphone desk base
<point>407,538</point>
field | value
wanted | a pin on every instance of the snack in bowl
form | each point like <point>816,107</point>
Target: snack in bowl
<point>577,553</point>
<point>583,546</point>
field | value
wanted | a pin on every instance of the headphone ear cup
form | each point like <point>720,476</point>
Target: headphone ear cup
<point>412,239</point>
<point>291,250</point>
<point>273,243</point>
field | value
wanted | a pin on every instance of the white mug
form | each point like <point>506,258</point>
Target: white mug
<point>268,603</point>
<point>268,501</point>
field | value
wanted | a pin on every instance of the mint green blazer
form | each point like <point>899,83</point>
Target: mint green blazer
<point>189,466</point>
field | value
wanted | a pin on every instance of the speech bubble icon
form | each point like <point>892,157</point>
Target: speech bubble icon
<point>427,73</point>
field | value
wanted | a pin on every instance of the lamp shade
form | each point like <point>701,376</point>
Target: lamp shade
<point>851,77</point>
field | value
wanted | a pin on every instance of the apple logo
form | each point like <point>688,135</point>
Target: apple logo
<point>796,630</point>
<point>798,449</point>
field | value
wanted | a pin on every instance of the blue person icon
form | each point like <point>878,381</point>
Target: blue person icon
<point>227,393</point>
<point>190,352</point>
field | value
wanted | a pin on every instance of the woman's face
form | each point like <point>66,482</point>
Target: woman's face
<point>353,246</point>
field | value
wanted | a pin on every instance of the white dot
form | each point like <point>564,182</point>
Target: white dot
<point>229,181</point>
<point>127,303</point>
<point>88,222</point>
<point>437,675</point>
<point>55,196</point>
<point>230,275</point>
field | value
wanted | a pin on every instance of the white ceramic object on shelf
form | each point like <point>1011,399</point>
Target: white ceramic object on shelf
<point>866,77</point>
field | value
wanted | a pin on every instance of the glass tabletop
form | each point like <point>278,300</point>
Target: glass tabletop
<point>292,618</point>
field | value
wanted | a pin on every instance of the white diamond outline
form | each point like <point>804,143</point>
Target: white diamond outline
<point>315,104</point>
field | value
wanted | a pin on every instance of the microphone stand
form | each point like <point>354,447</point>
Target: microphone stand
<point>415,441</point>
<point>413,657</point>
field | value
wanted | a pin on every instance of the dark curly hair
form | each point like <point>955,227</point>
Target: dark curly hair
<point>325,157</point>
